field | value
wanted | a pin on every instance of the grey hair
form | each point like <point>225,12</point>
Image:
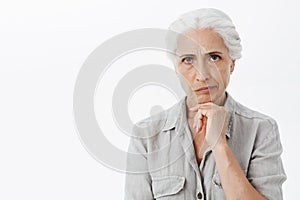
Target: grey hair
<point>209,18</point>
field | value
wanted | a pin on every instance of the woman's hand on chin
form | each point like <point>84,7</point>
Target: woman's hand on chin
<point>212,121</point>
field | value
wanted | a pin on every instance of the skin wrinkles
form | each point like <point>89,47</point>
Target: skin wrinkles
<point>203,60</point>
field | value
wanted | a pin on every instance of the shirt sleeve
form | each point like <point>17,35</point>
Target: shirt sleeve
<point>266,172</point>
<point>137,180</point>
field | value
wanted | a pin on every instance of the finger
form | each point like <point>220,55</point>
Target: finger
<point>203,112</point>
<point>196,125</point>
<point>204,122</point>
<point>200,125</point>
<point>197,121</point>
<point>200,116</point>
<point>207,104</point>
<point>195,108</point>
<point>205,107</point>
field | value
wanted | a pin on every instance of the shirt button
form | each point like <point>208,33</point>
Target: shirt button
<point>199,195</point>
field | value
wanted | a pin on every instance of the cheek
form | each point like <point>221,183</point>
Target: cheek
<point>221,74</point>
<point>185,78</point>
<point>225,74</point>
<point>185,73</point>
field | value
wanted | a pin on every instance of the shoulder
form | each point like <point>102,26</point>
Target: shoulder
<point>265,125</point>
<point>154,124</point>
<point>247,112</point>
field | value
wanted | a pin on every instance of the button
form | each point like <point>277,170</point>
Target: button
<point>199,195</point>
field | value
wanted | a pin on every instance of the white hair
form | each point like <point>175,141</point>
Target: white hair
<point>209,18</point>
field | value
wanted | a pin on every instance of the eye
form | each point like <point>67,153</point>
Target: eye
<point>215,57</point>
<point>187,60</point>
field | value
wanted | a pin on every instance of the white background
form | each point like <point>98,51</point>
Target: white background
<point>42,47</point>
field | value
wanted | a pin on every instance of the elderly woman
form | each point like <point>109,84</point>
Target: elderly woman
<point>207,146</point>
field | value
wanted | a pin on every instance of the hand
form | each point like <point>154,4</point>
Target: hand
<point>211,118</point>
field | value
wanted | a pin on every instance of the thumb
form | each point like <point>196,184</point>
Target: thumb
<point>204,123</point>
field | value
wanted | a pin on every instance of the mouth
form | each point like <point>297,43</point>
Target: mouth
<point>205,89</point>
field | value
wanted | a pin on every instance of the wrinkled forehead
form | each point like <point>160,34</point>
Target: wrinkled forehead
<point>199,41</point>
<point>188,45</point>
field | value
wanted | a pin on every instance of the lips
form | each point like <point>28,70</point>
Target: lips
<point>206,88</point>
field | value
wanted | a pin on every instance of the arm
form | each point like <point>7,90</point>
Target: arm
<point>234,182</point>
<point>265,171</point>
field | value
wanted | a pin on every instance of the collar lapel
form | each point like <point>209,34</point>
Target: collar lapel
<point>177,118</point>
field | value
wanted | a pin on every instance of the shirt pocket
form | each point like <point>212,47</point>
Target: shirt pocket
<point>167,187</point>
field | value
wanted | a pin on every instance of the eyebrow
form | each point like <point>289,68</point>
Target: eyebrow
<point>207,53</point>
<point>185,55</point>
<point>214,52</point>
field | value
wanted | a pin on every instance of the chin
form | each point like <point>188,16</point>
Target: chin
<point>204,99</point>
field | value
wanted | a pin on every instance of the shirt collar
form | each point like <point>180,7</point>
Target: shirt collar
<point>230,107</point>
<point>177,115</point>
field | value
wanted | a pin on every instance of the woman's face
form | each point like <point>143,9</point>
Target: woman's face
<point>203,64</point>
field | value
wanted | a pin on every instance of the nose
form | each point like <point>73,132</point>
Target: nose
<point>200,76</point>
<point>202,72</point>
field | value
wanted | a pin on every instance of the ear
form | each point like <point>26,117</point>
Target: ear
<point>232,66</point>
